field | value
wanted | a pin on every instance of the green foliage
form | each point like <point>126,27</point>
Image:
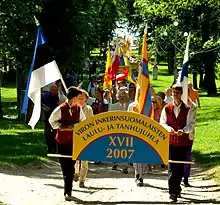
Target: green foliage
<point>201,18</point>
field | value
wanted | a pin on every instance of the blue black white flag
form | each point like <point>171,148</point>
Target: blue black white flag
<point>183,75</point>
<point>43,71</point>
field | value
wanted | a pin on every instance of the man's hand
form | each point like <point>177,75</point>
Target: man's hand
<point>172,131</point>
<point>179,132</point>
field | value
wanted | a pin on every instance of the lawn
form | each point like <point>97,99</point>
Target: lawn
<point>206,147</point>
<point>21,145</point>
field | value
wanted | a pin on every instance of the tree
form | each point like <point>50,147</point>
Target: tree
<point>198,16</point>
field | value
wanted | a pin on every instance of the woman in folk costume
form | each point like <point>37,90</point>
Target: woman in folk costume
<point>140,169</point>
<point>64,118</point>
<point>98,106</point>
<point>82,166</point>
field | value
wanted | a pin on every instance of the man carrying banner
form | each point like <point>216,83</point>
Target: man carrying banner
<point>178,120</point>
<point>122,105</point>
<point>64,118</point>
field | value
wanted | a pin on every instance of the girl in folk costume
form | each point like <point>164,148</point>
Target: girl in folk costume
<point>64,118</point>
<point>140,169</point>
<point>82,166</point>
<point>99,106</point>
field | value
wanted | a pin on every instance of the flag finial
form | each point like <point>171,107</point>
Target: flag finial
<point>36,21</point>
<point>145,29</point>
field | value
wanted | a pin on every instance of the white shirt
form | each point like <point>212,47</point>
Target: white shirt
<point>192,110</point>
<point>132,106</point>
<point>62,97</point>
<point>118,106</point>
<point>56,116</point>
<point>190,122</point>
<point>87,110</point>
<point>168,99</point>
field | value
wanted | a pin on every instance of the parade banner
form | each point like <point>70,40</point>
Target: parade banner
<point>121,137</point>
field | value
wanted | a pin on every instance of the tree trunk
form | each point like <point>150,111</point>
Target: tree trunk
<point>201,81</point>
<point>209,59</point>
<point>18,85</point>
<point>195,80</point>
<point>1,110</point>
<point>170,60</point>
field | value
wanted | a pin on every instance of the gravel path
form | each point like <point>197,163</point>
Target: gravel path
<point>43,185</point>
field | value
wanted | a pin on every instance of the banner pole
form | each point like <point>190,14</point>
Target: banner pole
<point>170,161</point>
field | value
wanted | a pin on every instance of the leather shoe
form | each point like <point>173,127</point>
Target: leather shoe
<point>140,182</point>
<point>179,196</point>
<point>187,185</point>
<point>114,167</point>
<point>173,197</point>
<point>125,171</point>
<point>68,198</point>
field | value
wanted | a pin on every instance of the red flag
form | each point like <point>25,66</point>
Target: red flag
<point>115,63</point>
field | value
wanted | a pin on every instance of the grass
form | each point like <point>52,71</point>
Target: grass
<point>21,145</point>
<point>206,147</point>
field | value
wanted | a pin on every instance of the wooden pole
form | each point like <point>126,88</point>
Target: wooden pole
<point>170,161</point>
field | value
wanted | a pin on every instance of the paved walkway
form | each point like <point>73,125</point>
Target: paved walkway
<point>44,186</point>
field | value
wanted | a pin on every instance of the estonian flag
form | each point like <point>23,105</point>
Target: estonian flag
<point>43,71</point>
<point>183,75</point>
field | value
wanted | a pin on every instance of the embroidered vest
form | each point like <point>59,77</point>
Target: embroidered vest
<point>69,116</point>
<point>177,123</point>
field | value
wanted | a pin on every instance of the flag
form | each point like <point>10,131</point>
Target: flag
<point>145,104</point>
<point>107,77</point>
<point>128,46</point>
<point>121,56</point>
<point>43,71</point>
<point>130,74</point>
<point>115,63</point>
<point>183,75</point>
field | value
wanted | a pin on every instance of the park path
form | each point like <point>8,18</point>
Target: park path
<point>43,185</point>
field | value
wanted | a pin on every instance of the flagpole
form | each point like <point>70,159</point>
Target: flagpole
<point>38,24</point>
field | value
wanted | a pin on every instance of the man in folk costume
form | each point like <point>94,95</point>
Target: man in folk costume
<point>139,168</point>
<point>81,167</point>
<point>122,105</point>
<point>178,120</point>
<point>64,118</point>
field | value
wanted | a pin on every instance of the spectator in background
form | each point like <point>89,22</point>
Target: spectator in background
<point>157,106</point>
<point>107,96</point>
<point>168,97</point>
<point>131,92</point>
<point>61,94</point>
<point>98,105</point>
<point>162,95</point>
<point>193,94</point>
<point>92,87</point>
<point>50,100</point>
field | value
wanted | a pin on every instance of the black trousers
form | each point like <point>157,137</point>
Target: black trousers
<point>50,135</point>
<point>176,171</point>
<point>67,166</point>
